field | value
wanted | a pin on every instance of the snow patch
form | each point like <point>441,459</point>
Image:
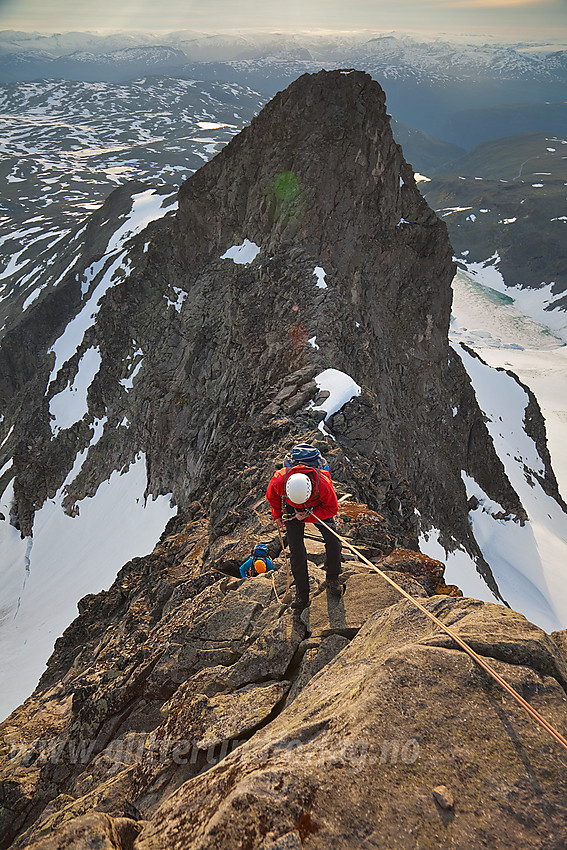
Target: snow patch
<point>70,405</point>
<point>320,275</point>
<point>243,254</point>
<point>450,210</point>
<point>313,342</point>
<point>69,341</point>
<point>146,207</point>
<point>211,125</point>
<point>180,296</point>
<point>128,382</point>
<point>8,435</point>
<point>341,388</point>
<point>31,298</point>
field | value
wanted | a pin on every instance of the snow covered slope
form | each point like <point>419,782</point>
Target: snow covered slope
<point>66,145</point>
<point>44,575</point>
<point>78,544</point>
<point>529,562</point>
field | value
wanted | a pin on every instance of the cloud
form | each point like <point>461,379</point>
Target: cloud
<point>218,15</point>
<point>492,4</point>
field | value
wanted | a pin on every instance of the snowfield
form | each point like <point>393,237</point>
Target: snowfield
<point>44,576</point>
<point>529,563</point>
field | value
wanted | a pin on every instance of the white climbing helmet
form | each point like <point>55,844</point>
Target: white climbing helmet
<point>298,488</point>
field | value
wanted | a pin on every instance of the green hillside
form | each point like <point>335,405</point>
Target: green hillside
<point>508,196</point>
<point>423,151</point>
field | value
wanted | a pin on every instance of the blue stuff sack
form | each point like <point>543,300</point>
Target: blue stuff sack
<point>306,455</point>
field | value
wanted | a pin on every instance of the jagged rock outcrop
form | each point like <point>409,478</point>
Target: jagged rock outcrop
<point>186,707</point>
<point>224,368</point>
<point>191,709</point>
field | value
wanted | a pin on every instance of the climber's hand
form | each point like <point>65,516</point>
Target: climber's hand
<point>301,515</point>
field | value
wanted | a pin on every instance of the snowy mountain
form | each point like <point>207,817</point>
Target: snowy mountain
<point>148,349</point>
<point>66,145</point>
<point>296,288</point>
<point>427,80</point>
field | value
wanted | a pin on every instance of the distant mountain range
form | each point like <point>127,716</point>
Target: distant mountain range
<point>123,107</point>
<point>427,82</point>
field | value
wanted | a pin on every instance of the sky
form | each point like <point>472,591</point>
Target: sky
<point>542,18</point>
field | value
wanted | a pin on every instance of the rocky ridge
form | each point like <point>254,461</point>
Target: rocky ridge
<point>188,708</point>
<point>185,705</point>
<point>213,358</point>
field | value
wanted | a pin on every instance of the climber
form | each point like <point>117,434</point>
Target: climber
<point>298,494</point>
<point>258,562</point>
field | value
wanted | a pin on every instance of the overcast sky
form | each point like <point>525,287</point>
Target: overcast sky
<point>543,18</point>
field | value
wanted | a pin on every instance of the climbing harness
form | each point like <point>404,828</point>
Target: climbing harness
<point>469,650</point>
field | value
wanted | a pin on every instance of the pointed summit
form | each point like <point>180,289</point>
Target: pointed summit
<point>318,167</point>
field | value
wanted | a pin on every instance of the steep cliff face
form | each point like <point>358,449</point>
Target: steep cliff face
<point>316,182</point>
<point>301,257</point>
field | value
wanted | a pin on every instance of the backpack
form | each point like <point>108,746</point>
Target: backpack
<point>259,553</point>
<point>306,455</point>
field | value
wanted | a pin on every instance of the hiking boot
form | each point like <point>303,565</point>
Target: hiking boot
<point>300,602</point>
<point>333,586</point>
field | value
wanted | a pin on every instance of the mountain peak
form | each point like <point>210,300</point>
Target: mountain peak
<point>318,166</point>
<point>299,289</point>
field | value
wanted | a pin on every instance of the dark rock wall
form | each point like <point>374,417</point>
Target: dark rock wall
<point>178,651</point>
<point>316,180</point>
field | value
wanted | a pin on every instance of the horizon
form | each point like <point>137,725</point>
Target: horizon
<point>509,20</point>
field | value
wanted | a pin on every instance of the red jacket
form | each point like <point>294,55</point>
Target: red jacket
<point>324,504</point>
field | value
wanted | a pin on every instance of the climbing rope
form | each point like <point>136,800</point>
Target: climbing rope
<point>469,650</point>
<point>286,569</point>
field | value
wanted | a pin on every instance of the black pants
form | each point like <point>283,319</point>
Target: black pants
<point>295,530</point>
